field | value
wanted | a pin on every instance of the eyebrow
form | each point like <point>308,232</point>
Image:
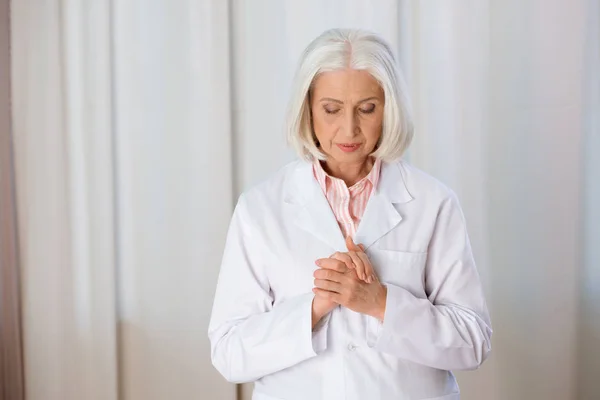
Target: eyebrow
<point>341,102</point>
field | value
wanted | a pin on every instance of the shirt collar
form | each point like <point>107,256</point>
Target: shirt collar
<point>322,177</point>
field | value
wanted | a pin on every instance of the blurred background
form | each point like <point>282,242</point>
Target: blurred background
<point>129,127</point>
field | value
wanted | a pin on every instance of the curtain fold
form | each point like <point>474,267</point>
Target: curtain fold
<point>173,191</point>
<point>61,79</point>
<point>11,357</point>
<point>124,177</point>
<point>589,314</point>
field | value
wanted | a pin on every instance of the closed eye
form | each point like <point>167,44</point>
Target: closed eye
<point>330,111</point>
<point>368,109</point>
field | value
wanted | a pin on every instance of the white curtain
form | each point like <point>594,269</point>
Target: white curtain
<point>123,152</point>
<point>62,117</point>
<point>138,123</point>
<point>174,191</point>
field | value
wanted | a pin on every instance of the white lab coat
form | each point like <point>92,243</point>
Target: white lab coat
<point>436,319</point>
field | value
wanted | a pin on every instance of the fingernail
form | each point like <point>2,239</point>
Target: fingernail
<point>318,263</point>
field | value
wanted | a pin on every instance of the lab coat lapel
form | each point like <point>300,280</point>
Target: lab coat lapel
<point>381,216</point>
<point>311,210</point>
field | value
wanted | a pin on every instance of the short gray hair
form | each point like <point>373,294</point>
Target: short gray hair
<point>338,49</point>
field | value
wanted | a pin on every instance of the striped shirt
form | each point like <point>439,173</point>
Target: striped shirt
<point>347,203</point>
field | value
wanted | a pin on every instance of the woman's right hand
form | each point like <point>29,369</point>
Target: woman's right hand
<point>320,305</point>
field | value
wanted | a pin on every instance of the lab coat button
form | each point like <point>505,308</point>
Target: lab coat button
<point>351,347</point>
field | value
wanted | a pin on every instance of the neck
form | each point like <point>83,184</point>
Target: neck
<point>350,173</point>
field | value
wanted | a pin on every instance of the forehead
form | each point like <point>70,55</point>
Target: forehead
<point>346,83</point>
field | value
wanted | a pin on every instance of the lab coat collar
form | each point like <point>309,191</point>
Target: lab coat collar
<point>312,212</point>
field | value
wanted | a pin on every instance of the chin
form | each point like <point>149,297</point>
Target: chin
<point>340,156</point>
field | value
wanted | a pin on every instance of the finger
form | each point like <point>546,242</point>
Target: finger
<point>326,294</point>
<point>328,285</point>
<point>354,247</point>
<point>360,267</point>
<point>350,244</point>
<point>328,274</point>
<point>369,270</point>
<point>345,258</point>
<point>331,263</point>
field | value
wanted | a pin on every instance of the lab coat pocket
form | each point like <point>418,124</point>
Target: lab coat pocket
<point>399,268</point>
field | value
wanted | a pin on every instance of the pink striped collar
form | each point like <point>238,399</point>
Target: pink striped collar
<point>322,176</point>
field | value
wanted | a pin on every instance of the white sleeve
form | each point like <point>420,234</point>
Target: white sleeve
<point>451,328</point>
<point>319,336</point>
<point>250,338</point>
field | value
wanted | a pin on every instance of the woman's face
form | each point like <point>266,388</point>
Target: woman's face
<point>347,114</point>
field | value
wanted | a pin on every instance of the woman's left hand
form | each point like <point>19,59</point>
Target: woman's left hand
<point>346,289</point>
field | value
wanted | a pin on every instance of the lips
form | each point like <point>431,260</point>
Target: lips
<point>349,147</point>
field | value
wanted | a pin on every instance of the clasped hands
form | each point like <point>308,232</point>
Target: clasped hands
<point>348,279</point>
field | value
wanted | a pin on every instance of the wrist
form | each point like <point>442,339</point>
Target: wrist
<point>381,303</point>
<point>318,313</point>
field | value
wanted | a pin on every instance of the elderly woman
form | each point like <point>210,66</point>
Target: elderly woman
<point>348,274</point>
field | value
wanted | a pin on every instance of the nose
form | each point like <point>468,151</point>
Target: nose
<point>351,125</point>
